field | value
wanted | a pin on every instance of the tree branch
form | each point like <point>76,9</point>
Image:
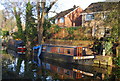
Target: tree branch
<point>51,6</point>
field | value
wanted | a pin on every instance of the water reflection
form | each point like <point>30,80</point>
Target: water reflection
<point>68,71</point>
<point>22,67</point>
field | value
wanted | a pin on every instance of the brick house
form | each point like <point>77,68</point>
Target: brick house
<point>69,18</point>
<point>93,18</point>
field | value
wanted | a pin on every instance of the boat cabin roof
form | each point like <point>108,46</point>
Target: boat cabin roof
<point>50,45</point>
<point>64,46</point>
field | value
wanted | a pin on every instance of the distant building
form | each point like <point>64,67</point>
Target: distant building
<point>93,17</point>
<point>68,18</point>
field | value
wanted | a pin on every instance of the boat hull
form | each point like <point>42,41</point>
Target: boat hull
<point>65,58</point>
<point>54,56</point>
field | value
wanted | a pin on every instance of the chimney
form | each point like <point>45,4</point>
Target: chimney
<point>74,6</point>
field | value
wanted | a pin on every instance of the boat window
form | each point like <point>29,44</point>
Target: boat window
<point>44,48</point>
<point>79,51</point>
<point>67,72</point>
<point>19,43</point>
<point>61,50</point>
<point>48,49</point>
<point>54,49</point>
<point>58,69</point>
<point>58,50</point>
<point>68,51</point>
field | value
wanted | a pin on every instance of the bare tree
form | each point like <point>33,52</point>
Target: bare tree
<point>41,16</point>
<point>13,10</point>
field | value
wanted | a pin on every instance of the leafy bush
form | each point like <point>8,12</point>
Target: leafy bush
<point>116,61</point>
<point>5,33</point>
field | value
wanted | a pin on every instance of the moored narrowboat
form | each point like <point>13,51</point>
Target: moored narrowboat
<point>70,54</point>
<point>16,45</point>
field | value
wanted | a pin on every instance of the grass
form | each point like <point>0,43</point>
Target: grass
<point>2,51</point>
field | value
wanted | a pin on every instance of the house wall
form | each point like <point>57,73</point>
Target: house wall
<point>72,19</point>
<point>97,25</point>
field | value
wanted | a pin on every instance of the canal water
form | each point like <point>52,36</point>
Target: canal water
<point>24,67</point>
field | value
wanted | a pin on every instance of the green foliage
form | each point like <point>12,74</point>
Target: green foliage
<point>20,31</point>
<point>117,61</point>
<point>46,27</point>
<point>18,19</point>
<point>30,27</point>
<point>108,47</point>
<point>5,33</point>
<point>15,35</point>
<point>112,21</point>
<point>71,33</point>
<point>56,29</point>
<point>72,29</point>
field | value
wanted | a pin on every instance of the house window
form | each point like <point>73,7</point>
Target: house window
<point>89,17</point>
<point>62,20</point>
<point>58,50</point>
<point>56,21</point>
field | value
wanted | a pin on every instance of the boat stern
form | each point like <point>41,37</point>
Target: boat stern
<point>83,57</point>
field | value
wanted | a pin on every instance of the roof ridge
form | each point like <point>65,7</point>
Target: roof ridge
<point>65,12</point>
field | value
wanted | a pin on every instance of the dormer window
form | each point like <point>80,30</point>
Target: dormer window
<point>89,17</point>
<point>62,20</point>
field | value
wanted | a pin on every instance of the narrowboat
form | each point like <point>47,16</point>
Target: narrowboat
<point>16,45</point>
<point>70,54</point>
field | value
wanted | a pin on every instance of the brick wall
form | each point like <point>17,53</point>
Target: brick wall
<point>72,19</point>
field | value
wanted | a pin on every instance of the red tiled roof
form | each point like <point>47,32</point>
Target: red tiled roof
<point>63,13</point>
<point>100,6</point>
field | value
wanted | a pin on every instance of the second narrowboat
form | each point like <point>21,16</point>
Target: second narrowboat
<point>17,46</point>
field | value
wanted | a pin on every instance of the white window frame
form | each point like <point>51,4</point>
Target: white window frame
<point>56,21</point>
<point>89,17</point>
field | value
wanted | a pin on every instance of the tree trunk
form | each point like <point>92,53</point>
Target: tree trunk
<point>41,18</point>
<point>41,22</point>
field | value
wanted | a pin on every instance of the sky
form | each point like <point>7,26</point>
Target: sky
<point>1,7</point>
<point>67,4</point>
<point>62,5</point>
